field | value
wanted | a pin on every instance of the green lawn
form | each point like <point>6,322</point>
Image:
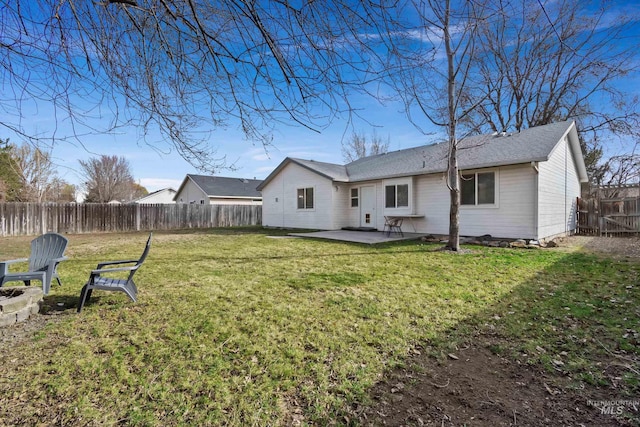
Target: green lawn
<point>233,327</point>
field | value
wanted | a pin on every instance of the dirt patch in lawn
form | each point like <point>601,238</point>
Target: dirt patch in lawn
<point>627,247</point>
<point>13,335</point>
<point>474,387</point>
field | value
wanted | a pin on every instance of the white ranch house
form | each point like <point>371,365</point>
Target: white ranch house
<point>514,185</point>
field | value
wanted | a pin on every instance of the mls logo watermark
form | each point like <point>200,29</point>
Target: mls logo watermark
<point>615,407</point>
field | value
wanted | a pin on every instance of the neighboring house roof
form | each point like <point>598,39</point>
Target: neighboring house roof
<point>530,145</point>
<point>154,194</point>
<point>218,186</point>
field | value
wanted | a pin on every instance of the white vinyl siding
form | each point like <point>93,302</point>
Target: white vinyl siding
<point>558,188</point>
<point>432,201</point>
<point>234,201</point>
<point>273,203</point>
<point>191,193</point>
<point>341,212</point>
<point>280,200</point>
<point>513,218</point>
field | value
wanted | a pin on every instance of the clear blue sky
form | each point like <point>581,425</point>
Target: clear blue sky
<point>160,166</point>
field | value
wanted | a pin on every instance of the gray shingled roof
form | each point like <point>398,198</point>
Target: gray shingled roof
<point>530,145</point>
<point>218,186</point>
<point>330,170</point>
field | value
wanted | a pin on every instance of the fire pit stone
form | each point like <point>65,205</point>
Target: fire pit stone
<point>17,303</point>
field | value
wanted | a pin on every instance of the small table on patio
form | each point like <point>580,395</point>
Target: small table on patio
<point>410,217</point>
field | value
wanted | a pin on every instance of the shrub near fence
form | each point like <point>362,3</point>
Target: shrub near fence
<point>20,219</point>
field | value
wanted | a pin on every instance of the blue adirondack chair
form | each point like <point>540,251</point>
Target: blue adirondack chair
<point>100,277</point>
<point>47,251</point>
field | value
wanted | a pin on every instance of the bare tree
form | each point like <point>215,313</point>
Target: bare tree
<point>622,170</point>
<point>509,65</point>
<point>181,68</point>
<point>37,173</point>
<point>542,62</point>
<point>431,54</point>
<point>616,173</point>
<point>108,178</point>
<point>358,146</point>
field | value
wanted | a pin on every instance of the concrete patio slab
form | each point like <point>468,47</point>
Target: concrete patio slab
<point>367,237</point>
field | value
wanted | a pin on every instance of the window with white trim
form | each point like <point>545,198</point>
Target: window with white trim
<point>354,197</point>
<point>305,198</point>
<point>478,188</point>
<point>396,196</point>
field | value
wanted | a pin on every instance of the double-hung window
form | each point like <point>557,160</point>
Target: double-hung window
<point>305,198</point>
<point>396,196</point>
<point>354,197</point>
<point>478,188</point>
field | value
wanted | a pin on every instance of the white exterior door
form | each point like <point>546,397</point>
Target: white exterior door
<point>368,206</point>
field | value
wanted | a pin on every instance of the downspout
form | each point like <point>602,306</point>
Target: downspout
<point>566,178</point>
<point>334,197</point>
<point>534,166</point>
<point>282,201</point>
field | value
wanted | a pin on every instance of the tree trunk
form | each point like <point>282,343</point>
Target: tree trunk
<point>454,208</point>
<point>452,167</point>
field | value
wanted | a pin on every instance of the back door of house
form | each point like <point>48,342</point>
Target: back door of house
<point>368,206</point>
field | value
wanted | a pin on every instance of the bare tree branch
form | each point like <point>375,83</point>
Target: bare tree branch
<point>552,61</point>
<point>358,146</point>
<point>181,69</point>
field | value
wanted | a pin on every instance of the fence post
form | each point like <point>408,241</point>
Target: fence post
<point>137,216</point>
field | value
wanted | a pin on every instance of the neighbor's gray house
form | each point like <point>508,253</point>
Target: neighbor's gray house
<point>514,185</point>
<point>218,190</point>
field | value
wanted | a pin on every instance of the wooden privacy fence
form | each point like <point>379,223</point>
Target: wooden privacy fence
<point>609,217</point>
<point>19,219</point>
<point>588,217</point>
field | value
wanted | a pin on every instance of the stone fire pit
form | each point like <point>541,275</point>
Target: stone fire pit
<point>17,303</point>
